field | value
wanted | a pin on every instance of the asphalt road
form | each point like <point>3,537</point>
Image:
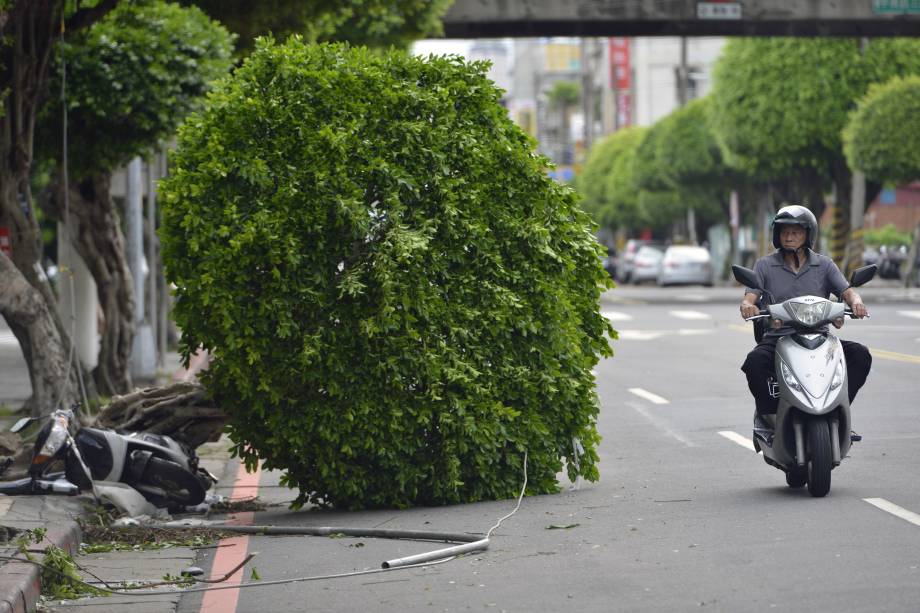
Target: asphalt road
<point>684,518</point>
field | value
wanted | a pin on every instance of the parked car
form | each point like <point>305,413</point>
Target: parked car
<point>647,264</point>
<point>685,265</point>
<point>624,266</point>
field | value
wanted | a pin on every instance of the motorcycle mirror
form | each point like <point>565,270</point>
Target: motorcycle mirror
<point>745,276</point>
<point>863,275</point>
<point>22,423</point>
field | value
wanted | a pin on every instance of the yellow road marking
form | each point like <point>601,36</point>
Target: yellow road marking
<point>882,354</point>
<point>895,356</point>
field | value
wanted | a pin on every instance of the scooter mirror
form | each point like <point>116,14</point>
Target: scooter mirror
<point>745,276</point>
<point>22,423</point>
<point>863,275</point>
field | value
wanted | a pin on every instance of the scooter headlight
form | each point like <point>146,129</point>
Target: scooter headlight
<point>837,381</point>
<point>789,378</point>
<point>809,313</point>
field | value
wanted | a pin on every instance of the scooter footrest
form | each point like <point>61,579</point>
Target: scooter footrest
<point>855,437</point>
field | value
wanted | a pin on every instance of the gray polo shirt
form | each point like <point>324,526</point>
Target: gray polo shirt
<point>818,277</point>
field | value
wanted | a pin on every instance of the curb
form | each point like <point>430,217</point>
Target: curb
<point>20,584</point>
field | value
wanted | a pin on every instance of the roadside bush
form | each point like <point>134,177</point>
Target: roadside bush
<point>398,300</point>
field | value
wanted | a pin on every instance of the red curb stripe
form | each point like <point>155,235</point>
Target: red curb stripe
<point>225,601</point>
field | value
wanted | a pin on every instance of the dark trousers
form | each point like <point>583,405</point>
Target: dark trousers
<point>760,368</point>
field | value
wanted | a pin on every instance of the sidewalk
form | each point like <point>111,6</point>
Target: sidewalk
<point>20,586</point>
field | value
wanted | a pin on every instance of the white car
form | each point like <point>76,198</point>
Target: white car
<point>646,266</point>
<point>686,265</point>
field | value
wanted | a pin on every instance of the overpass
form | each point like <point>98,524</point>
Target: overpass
<point>538,18</point>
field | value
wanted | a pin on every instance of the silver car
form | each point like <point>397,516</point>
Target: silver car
<point>646,266</point>
<point>685,265</point>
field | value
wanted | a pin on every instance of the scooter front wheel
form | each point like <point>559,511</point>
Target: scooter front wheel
<point>180,486</point>
<point>820,458</point>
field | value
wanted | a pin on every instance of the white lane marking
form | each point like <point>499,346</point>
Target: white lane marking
<point>616,316</point>
<point>895,510</point>
<point>650,335</point>
<point>661,424</point>
<point>737,438</point>
<point>695,315</point>
<point>914,314</point>
<point>638,335</point>
<point>653,398</point>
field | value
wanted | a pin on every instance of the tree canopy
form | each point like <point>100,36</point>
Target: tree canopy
<point>398,300</point>
<point>882,137</point>
<point>131,78</point>
<point>607,186</point>
<point>375,23</point>
<point>782,103</point>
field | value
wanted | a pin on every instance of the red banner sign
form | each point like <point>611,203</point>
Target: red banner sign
<point>620,65</point>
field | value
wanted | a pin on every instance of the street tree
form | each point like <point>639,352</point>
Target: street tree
<point>658,200</point>
<point>882,139</point>
<point>563,96</point>
<point>606,183</point>
<point>399,301</point>
<point>781,103</point>
<point>623,194</point>
<point>30,30</point>
<point>690,158</point>
<point>130,79</point>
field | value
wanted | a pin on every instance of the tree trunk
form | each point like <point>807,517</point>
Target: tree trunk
<point>26,298</point>
<point>95,232</point>
<point>54,382</point>
<point>181,410</point>
<point>910,267</point>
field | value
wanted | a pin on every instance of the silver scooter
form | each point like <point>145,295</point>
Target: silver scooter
<point>811,428</point>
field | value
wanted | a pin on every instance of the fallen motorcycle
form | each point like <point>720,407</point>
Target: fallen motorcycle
<point>163,470</point>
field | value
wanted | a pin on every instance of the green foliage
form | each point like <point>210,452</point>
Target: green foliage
<point>780,104</point>
<point>888,236</point>
<point>59,576</point>
<point>375,23</point>
<point>882,137</point>
<point>564,94</point>
<point>398,300</point>
<point>131,78</point>
<point>607,186</point>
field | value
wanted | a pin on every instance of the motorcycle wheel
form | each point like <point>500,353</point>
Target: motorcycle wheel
<point>820,461</point>
<point>181,486</point>
<point>796,478</point>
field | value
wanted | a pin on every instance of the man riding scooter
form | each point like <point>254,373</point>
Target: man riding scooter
<point>795,269</point>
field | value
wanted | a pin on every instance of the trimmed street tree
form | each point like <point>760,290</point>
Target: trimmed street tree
<point>781,104</point>
<point>606,185</point>
<point>131,78</point>
<point>400,303</point>
<point>882,139</point>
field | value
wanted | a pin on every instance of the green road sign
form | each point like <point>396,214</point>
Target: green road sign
<point>888,7</point>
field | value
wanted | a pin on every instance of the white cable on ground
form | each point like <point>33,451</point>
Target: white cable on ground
<point>444,557</point>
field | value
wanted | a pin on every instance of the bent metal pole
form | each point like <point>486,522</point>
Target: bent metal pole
<point>469,542</point>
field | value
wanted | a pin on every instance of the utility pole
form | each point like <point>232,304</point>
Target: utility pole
<point>587,91</point>
<point>142,352</point>
<point>683,95</point>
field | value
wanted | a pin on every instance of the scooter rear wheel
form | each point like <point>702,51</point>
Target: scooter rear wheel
<point>820,460</point>
<point>181,486</point>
